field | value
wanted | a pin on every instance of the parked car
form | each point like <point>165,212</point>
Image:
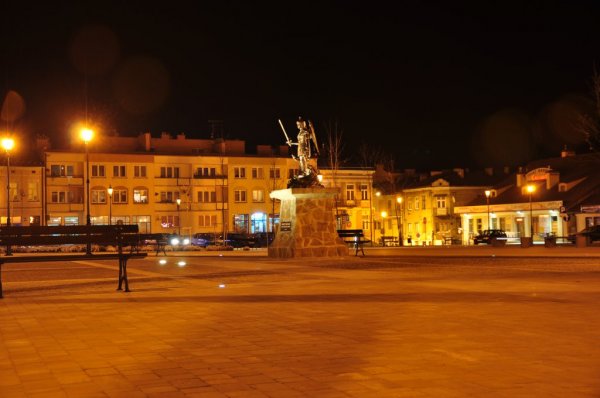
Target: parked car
<point>260,239</point>
<point>205,239</point>
<point>593,232</point>
<point>488,235</point>
<point>236,239</point>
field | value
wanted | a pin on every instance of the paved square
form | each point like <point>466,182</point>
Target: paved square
<point>380,326</point>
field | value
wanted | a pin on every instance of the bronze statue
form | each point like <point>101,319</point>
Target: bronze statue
<point>306,136</point>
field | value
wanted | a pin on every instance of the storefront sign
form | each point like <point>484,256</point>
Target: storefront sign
<point>285,226</point>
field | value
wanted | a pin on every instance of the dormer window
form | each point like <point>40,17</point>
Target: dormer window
<point>562,187</point>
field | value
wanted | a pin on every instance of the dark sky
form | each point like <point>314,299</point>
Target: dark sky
<point>434,83</point>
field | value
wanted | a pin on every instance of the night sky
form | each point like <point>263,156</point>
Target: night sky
<point>437,84</point>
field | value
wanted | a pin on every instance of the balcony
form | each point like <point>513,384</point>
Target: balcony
<point>210,176</point>
<point>441,211</point>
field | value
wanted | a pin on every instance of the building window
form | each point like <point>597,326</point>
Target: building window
<point>258,195</point>
<point>479,225</point>
<point>139,171</point>
<point>119,171</point>
<point>239,172</point>
<point>423,203</point>
<point>257,173</point>
<point>207,220</point>
<point>169,221</point>
<point>206,172</point>
<point>241,222</point>
<point>365,221</point>
<point>240,195</point>
<point>140,195</point>
<point>409,203</point>
<point>169,172</point>
<point>143,222</point>
<point>293,173</point>
<point>59,197</point>
<point>120,195</point>
<point>32,191</point>
<point>14,192</point>
<point>98,170</point>
<point>441,202</point>
<point>207,196</point>
<point>99,196</point>
<point>61,170</point>
<point>349,191</point>
<point>364,192</point>
<point>274,173</point>
<point>169,196</point>
<point>417,202</point>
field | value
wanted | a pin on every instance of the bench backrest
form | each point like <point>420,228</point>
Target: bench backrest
<point>69,234</point>
<point>350,233</point>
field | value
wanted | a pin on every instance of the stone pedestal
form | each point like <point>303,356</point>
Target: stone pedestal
<point>307,224</point>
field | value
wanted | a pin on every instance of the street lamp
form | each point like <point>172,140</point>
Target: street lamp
<point>110,192</point>
<point>487,197</point>
<point>178,216</point>
<point>383,216</point>
<point>86,135</point>
<point>530,189</point>
<point>399,220</point>
<point>8,144</point>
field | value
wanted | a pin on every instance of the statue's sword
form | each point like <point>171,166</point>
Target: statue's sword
<point>287,139</point>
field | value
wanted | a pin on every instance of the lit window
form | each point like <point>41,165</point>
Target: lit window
<point>258,195</point>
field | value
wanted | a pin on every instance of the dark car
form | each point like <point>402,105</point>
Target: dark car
<point>260,239</point>
<point>205,239</point>
<point>593,232</point>
<point>488,235</point>
<point>235,239</point>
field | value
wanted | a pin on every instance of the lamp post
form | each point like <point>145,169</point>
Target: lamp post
<point>87,135</point>
<point>8,144</point>
<point>110,192</point>
<point>178,217</point>
<point>487,198</point>
<point>383,216</point>
<point>530,189</point>
<point>399,220</point>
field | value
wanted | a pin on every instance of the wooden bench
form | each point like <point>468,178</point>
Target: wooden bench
<point>355,237</point>
<point>159,241</point>
<point>120,236</point>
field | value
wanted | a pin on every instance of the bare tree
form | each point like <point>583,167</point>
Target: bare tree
<point>334,148</point>
<point>588,123</point>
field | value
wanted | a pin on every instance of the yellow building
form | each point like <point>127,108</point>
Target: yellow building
<point>355,200</point>
<point>25,194</point>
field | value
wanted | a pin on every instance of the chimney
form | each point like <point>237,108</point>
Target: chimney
<point>460,172</point>
<point>165,136</point>
<point>565,153</point>
<point>147,142</point>
<point>181,136</point>
<point>520,177</point>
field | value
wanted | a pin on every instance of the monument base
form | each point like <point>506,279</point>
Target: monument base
<point>307,225</point>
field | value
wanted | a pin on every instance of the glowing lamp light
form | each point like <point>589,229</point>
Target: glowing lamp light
<point>530,188</point>
<point>384,214</point>
<point>378,194</point>
<point>488,193</point>
<point>222,285</point>
<point>87,134</point>
<point>110,190</point>
<point>181,263</point>
<point>399,199</point>
<point>8,144</point>
<point>162,262</point>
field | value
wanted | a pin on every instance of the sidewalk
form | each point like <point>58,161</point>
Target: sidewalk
<point>486,251</point>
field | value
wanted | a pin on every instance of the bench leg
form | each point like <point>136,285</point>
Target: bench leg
<point>123,274</point>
